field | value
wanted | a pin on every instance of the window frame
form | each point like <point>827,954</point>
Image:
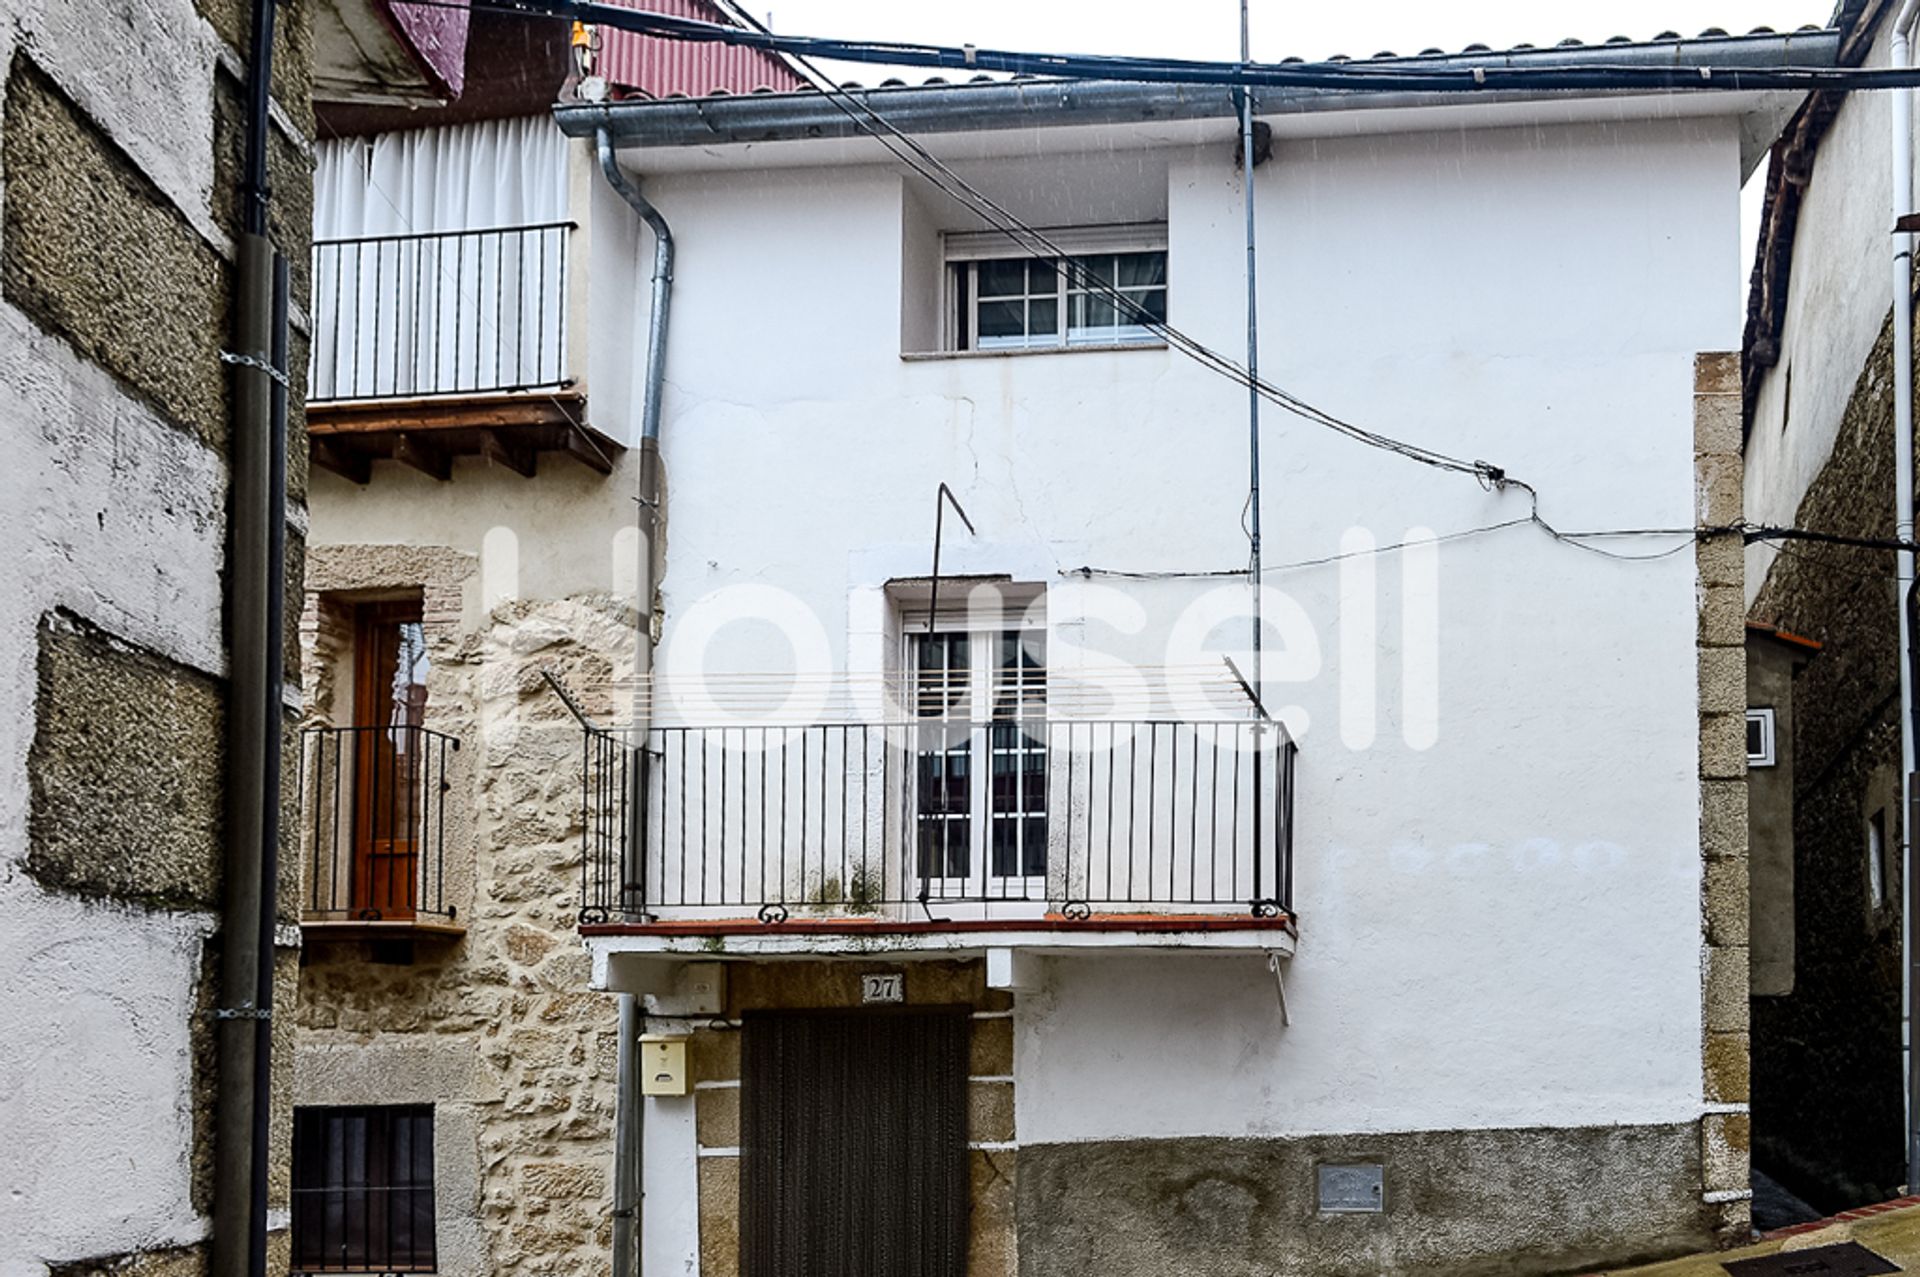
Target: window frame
<point>964,253</point>
<point>312,1211</point>
<point>1768,753</point>
<point>987,693</point>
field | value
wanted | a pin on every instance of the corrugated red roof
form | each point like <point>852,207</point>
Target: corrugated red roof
<point>656,68</point>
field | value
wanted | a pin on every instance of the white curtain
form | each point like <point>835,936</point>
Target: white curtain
<point>440,261</point>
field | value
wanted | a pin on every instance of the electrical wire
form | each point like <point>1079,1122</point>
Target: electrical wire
<point>1425,74</point>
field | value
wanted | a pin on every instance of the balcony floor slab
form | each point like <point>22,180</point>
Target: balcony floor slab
<point>618,946</point>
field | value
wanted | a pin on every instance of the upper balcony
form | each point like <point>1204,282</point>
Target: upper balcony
<point>442,344</point>
<point>938,837</point>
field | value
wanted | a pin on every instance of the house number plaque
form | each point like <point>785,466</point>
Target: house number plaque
<point>883,988</point>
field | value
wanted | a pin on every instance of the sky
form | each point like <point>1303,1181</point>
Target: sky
<point>1281,28</point>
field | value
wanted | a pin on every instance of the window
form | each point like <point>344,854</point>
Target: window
<point>363,1189</point>
<point>1760,751</point>
<point>980,804</point>
<point>1107,290</point>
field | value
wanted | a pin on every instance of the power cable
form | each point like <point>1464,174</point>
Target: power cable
<point>1426,74</point>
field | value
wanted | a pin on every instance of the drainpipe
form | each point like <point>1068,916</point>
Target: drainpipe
<point>629,1107</point>
<point>255,607</point>
<point>1903,243</point>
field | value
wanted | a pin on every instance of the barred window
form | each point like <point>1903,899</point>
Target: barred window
<point>363,1189</point>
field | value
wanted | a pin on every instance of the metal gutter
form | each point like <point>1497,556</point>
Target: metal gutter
<point>1027,103</point>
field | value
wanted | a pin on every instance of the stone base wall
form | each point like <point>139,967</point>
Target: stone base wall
<point>1458,1204</point>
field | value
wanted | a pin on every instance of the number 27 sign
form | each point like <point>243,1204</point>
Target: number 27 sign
<point>883,988</point>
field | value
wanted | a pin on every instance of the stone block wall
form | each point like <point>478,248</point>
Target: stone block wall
<point>496,1029</point>
<point>1828,1107</point>
<point>117,237</point>
<point>1726,1129</point>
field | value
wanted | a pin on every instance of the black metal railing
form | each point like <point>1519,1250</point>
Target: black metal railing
<point>856,819</point>
<point>374,823</point>
<point>442,313</point>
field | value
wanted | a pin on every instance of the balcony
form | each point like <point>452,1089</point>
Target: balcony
<point>432,346</point>
<point>373,833</point>
<point>938,837</point>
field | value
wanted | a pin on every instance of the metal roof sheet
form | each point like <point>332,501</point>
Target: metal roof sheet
<point>661,68</point>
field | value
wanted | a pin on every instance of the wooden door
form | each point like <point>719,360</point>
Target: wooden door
<point>390,700</point>
<point>854,1144</point>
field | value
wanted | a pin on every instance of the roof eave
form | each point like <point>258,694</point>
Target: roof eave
<point>1026,104</point>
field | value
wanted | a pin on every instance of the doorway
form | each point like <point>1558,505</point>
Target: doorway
<point>390,705</point>
<point>854,1144</point>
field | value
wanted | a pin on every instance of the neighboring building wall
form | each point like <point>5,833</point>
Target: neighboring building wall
<point>1827,1070</point>
<point>1771,665</point>
<point>1836,309</point>
<point>122,134</point>
<point>496,1030</point>
<point>1819,449</point>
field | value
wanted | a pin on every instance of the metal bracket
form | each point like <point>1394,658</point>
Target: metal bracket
<point>1280,985</point>
<point>241,1013</point>
<point>258,364</point>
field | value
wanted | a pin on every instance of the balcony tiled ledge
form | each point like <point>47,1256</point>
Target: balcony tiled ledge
<point>621,950</point>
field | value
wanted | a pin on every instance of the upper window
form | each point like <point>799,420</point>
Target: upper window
<point>1109,291</point>
<point>363,1189</point>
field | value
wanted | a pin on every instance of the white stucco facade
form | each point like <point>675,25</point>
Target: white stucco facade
<point>1500,929</point>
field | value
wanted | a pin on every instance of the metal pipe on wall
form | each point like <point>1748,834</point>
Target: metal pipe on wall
<point>629,1105</point>
<point>255,608</point>
<point>1903,242</point>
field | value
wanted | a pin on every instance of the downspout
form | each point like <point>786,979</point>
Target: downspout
<point>255,612</point>
<point>1903,242</point>
<point>629,1107</point>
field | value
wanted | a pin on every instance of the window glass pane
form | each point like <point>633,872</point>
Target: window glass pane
<point>1135,269</point>
<point>1043,317</point>
<point>1005,278</point>
<point>1002,319</point>
<point>1097,312</point>
<point>1098,270</point>
<point>1155,304</point>
<point>1041,276</point>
